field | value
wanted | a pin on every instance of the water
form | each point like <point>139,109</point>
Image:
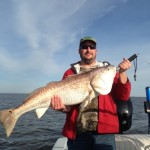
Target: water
<point>31,133</point>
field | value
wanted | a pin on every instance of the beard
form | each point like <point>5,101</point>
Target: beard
<point>88,60</point>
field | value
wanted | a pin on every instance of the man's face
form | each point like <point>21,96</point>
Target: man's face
<point>87,52</point>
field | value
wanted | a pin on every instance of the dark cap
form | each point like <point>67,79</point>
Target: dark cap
<point>88,38</point>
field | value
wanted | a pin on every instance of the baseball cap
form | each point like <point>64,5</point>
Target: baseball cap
<point>88,38</point>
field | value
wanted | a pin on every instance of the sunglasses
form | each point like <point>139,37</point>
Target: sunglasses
<point>88,46</point>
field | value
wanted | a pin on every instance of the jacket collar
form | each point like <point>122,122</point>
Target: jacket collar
<point>76,66</point>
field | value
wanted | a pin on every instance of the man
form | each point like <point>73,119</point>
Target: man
<point>100,116</point>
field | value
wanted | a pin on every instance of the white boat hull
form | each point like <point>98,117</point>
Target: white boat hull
<point>123,142</point>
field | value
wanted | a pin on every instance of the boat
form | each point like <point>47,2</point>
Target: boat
<point>122,141</point>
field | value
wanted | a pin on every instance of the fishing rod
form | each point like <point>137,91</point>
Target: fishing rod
<point>134,56</point>
<point>130,59</point>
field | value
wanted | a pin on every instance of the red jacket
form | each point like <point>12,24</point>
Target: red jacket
<point>108,118</point>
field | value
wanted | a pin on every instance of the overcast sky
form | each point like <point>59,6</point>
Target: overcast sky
<point>39,39</point>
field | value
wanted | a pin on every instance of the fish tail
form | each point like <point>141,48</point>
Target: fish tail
<point>8,120</point>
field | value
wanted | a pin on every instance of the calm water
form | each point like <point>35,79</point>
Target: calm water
<point>31,133</point>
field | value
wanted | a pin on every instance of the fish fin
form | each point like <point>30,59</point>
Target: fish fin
<point>53,83</point>
<point>40,112</point>
<point>8,121</point>
<point>87,100</point>
<point>72,75</point>
<point>84,104</point>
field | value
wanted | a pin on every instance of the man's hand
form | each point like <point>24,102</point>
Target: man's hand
<point>56,104</point>
<point>124,65</point>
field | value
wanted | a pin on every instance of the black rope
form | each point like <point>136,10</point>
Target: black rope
<point>135,66</point>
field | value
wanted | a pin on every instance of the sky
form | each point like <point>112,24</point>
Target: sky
<point>40,39</point>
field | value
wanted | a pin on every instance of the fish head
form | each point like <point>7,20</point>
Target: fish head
<point>102,80</point>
